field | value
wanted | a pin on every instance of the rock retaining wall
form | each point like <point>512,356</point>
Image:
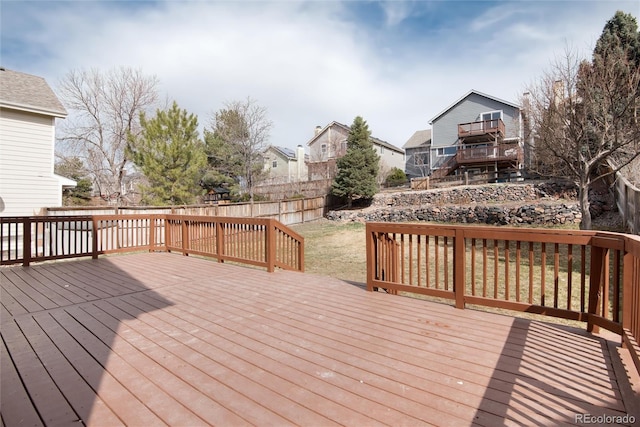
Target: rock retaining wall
<point>486,194</point>
<point>500,204</point>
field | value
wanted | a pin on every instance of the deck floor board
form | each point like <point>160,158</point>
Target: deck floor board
<point>162,339</point>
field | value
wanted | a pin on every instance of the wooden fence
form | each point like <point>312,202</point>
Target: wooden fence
<point>263,242</point>
<point>586,276</point>
<point>466,178</point>
<point>288,212</point>
<point>628,202</point>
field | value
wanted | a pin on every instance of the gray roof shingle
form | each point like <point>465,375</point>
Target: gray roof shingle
<point>420,137</point>
<point>27,92</point>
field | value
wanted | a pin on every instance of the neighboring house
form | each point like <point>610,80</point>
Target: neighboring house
<point>28,112</point>
<point>329,143</point>
<point>417,153</point>
<point>285,165</point>
<point>478,133</point>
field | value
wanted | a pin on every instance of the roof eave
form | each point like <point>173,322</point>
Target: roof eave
<point>33,109</point>
<point>477,92</point>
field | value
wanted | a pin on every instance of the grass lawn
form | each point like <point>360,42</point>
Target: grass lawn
<point>334,249</point>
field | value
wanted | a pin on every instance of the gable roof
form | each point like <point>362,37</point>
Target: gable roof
<point>419,138</point>
<point>25,92</point>
<point>473,91</point>
<point>287,152</point>
<point>347,129</point>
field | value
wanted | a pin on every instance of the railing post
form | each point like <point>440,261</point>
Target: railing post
<point>371,259</point>
<point>627,292</point>
<point>26,242</point>
<point>301,256</point>
<point>185,237</point>
<point>152,232</point>
<point>168,233</point>
<point>595,282</point>
<point>94,237</point>
<point>459,267</point>
<point>271,246</point>
<point>219,240</point>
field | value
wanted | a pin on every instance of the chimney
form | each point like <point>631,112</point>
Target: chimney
<point>317,130</point>
<point>300,173</point>
<point>558,91</point>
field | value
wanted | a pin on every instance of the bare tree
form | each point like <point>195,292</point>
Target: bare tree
<point>243,126</point>
<point>581,114</point>
<point>421,162</point>
<point>105,108</point>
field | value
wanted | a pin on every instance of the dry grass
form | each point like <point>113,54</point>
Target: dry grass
<point>334,249</point>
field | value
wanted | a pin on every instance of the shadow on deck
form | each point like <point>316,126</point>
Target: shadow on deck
<point>154,339</point>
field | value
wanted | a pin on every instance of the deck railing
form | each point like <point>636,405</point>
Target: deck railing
<point>482,127</point>
<point>587,276</point>
<point>496,153</point>
<point>257,241</point>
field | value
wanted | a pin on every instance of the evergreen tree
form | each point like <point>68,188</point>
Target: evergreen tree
<point>73,168</point>
<point>620,34</point>
<point>358,168</point>
<point>170,155</point>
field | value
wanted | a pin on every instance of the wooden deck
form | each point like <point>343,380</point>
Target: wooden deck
<point>162,339</point>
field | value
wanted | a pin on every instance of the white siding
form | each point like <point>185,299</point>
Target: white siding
<point>390,158</point>
<point>27,183</point>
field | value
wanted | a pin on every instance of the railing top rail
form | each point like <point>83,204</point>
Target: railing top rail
<point>481,121</point>
<point>504,233</point>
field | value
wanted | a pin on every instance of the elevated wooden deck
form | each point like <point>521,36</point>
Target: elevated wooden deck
<point>162,339</point>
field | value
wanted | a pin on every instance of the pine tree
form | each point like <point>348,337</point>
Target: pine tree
<point>358,168</point>
<point>170,155</point>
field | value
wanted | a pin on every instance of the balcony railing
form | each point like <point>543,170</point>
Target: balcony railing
<point>484,127</point>
<point>256,241</point>
<point>496,153</point>
<point>587,276</point>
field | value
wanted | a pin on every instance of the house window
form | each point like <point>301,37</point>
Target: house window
<point>323,148</point>
<point>274,164</point>
<point>421,159</point>
<point>343,146</point>
<point>381,149</point>
<point>491,118</point>
<point>445,151</point>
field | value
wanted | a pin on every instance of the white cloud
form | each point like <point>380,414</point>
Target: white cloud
<point>308,63</point>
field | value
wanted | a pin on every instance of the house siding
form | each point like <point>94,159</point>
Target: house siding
<point>333,137</point>
<point>445,127</point>
<point>411,169</point>
<point>390,159</point>
<point>27,183</point>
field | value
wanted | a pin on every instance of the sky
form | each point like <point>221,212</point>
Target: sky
<point>395,63</point>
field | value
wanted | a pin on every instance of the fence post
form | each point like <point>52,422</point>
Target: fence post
<point>459,267</point>
<point>271,245</point>
<point>26,242</point>
<point>303,208</point>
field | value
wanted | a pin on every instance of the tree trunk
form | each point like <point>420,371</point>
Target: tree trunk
<point>583,195</point>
